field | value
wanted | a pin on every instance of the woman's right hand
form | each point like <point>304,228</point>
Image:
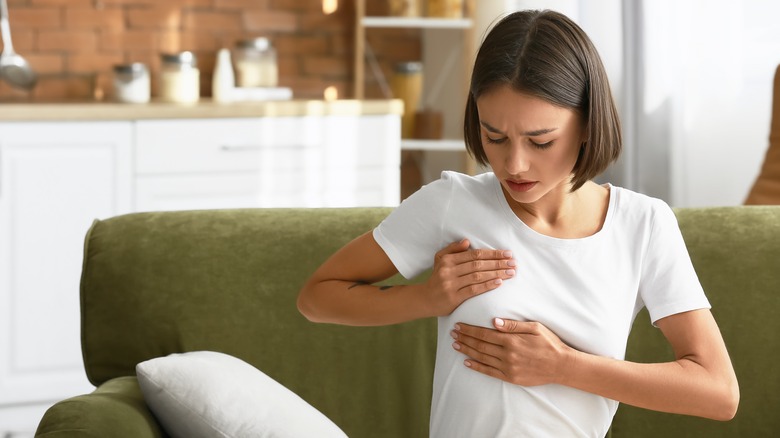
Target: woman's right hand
<point>460,273</point>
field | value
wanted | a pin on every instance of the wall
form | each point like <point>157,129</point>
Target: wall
<point>73,44</point>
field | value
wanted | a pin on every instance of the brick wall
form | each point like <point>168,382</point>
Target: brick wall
<point>73,44</point>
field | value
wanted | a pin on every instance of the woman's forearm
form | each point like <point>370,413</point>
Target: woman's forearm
<point>361,304</point>
<point>341,290</point>
<point>682,387</point>
<point>700,381</point>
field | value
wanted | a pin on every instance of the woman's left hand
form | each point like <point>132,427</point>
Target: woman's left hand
<point>523,353</point>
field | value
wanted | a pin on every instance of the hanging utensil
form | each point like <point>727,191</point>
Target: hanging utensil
<point>14,69</point>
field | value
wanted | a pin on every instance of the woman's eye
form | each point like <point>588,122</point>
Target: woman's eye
<point>542,145</point>
<point>495,140</point>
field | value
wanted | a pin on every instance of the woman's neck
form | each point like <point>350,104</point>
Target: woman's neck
<point>564,214</point>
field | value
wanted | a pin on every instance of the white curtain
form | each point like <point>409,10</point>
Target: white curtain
<point>702,73</point>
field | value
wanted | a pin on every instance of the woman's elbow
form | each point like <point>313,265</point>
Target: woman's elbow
<point>729,401</point>
<point>726,401</point>
<point>305,305</point>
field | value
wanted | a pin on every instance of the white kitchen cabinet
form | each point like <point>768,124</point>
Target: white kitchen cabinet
<point>300,161</point>
<point>362,158</point>
<point>55,179</point>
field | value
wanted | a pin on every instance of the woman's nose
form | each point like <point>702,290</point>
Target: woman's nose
<point>517,160</point>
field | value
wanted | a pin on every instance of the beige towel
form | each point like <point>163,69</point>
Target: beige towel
<point>766,189</point>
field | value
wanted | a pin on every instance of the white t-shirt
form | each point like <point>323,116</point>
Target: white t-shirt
<point>587,291</point>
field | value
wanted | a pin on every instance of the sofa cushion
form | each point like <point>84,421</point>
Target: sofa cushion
<point>210,394</point>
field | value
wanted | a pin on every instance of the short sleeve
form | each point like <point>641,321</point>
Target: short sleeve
<point>412,234</point>
<point>669,284</point>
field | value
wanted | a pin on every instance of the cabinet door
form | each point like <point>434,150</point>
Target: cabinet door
<point>307,161</point>
<point>362,161</point>
<point>230,190</point>
<point>55,179</point>
<point>228,163</point>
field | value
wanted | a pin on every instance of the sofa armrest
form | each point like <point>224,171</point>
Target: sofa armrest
<point>116,409</point>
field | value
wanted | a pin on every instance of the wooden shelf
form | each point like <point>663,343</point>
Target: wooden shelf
<point>430,26</point>
<point>418,23</point>
<point>446,54</point>
<point>411,144</point>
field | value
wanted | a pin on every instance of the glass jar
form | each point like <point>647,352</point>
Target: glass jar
<point>179,78</point>
<point>256,65</point>
<point>445,8</point>
<point>405,8</point>
<point>406,84</point>
<point>132,83</point>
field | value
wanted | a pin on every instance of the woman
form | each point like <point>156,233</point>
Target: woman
<point>538,272</point>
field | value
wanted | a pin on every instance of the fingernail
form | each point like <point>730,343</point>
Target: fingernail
<point>510,272</point>
<point>497,281</point>
<point>499,322</point>
<point>454,334</point>
<point>467,363</point>
<point>456,346</point>
<point>511,263</point>
<point>508,254</point>
<point>457,327</point>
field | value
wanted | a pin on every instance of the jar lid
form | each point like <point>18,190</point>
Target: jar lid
<point>182,58</point>
<point>409,67</point>
<point>260,43</point>
<point>134,68</point>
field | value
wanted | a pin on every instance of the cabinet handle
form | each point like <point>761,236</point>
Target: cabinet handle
<point>258,147</point>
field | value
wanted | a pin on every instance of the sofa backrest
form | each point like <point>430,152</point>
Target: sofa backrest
<point>161,283</point>
<point>227,280</point>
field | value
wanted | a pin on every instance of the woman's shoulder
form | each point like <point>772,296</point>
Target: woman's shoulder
<point>633,199</point>
<point>485,178</point>
<point>632,205</point>
<point>452,181</point>
<point>454,190</point>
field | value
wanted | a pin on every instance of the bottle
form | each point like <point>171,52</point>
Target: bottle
<point>256,63</point>
<point>180,78</point>
<point>131,83</point>
<point>223,81</point>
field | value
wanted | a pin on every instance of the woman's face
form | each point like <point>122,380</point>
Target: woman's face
<point>531,144</point>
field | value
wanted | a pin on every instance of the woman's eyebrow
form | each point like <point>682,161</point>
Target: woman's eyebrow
<point>490,128</point>
<point>539,132</point>
<point>533,133</point>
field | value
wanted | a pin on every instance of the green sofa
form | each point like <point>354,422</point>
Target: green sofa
<point>227,280</point>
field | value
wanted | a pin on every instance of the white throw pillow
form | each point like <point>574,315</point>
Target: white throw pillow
<point>209,394</point>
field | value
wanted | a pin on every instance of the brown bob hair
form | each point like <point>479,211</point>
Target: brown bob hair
<point>546,55</point>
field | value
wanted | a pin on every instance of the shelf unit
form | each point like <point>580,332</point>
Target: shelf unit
<point>418,23</point>
<point>415,144</point>
<point>447,54</point>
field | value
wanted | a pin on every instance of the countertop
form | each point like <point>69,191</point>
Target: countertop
<point>75,111</point>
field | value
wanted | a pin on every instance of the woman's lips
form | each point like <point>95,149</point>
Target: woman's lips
<point>520,186</point>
